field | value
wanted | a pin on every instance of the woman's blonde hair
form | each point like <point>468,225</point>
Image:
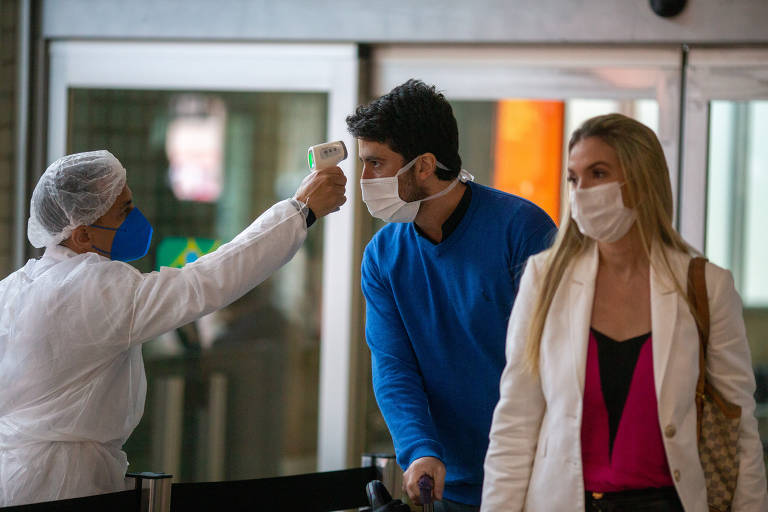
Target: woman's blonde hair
<point>648,189</point>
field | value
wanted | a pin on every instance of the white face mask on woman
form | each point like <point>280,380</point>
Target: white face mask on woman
<point>600,212</point>
<point>382,196</point>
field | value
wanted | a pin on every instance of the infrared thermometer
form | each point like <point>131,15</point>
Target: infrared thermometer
<point>325,155</point>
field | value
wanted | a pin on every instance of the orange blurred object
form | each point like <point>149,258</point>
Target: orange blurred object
<point>529,151</point>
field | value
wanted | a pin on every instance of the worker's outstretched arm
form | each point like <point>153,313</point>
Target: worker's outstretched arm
<point>171,297</point>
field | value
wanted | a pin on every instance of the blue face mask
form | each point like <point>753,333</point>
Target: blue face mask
<point>132,238</point>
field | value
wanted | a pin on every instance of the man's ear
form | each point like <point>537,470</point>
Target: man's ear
<point>426,166</point>
<point>80,240</point>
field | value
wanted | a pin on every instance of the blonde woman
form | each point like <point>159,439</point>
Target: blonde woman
<point>597,399</point>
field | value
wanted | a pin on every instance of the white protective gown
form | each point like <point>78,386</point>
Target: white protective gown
<point>72,382</point>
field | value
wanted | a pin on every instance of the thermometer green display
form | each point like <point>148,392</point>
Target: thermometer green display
<point>325,155</point>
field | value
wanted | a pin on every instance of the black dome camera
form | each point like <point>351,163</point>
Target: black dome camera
<point>668,8</point>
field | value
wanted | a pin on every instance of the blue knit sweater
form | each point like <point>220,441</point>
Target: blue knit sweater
<point>436,324</point>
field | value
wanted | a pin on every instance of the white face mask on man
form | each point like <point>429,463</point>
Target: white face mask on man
<point>600,212</point>
<point>382,196</point>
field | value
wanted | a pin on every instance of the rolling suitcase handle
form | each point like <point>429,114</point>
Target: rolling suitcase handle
<point>425,488</point>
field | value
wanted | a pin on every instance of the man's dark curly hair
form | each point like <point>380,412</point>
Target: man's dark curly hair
<point>412,119</point>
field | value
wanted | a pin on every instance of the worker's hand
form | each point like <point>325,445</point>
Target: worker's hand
<point>424,466</point>
<point>323,190</point>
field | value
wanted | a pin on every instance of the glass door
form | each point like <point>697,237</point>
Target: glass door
<point>212,135</point>
<point>725,176</point>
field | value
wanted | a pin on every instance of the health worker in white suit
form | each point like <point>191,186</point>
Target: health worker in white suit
<point>72,382</point>
<point>597,408</point>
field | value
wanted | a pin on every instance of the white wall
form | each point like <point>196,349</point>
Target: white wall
<point>515,21</point>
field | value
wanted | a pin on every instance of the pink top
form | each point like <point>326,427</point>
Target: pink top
<point>638,460</point>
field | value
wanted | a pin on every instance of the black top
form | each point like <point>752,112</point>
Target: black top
<point>617,360</point>
<point>452,222</point>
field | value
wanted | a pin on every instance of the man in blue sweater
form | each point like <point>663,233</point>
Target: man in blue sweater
<point>439,284</point>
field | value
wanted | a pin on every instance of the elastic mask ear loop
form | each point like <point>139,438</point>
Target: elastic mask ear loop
<point>406,167</point>
<point>463,176</point>
<point>447,189</point>
<point>108,254</point>
<point>102,251</point>
<point>104,227</point>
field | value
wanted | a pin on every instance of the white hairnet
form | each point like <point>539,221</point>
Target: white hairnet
<point>74,190</point>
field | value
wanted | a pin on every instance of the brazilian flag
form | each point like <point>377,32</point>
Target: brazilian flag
<point>178,251</point>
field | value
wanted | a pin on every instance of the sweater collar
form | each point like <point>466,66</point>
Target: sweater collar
<point>454,219</point>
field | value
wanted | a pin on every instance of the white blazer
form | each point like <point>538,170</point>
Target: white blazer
<point>534,457</point>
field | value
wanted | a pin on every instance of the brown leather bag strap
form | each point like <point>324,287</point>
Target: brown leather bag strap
<point>697,295</point>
